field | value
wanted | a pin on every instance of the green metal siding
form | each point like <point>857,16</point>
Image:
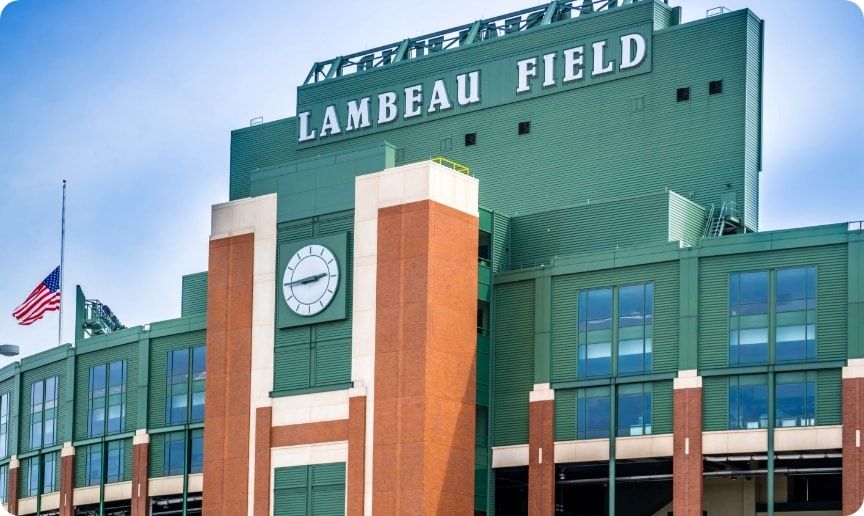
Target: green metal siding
<point>715,403</point>
<point>565,291</point>
<point>663,408</point>
<point>156,467</point>
<point>831,301</point>
<point>753,122</point>
<point>565,415</point>
<point>9,386</point>
<point>829,397</point>
<point>317,490</point>
<point>500,242</point>
<point>686,220</point>
<point>514,361</point>
<point>159,348</point>
<point>258,147</point>
<point>194,294</point>
<point>57,369</point>
<point>127,352</point>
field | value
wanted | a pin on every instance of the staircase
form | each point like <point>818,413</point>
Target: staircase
<point>717,220</point>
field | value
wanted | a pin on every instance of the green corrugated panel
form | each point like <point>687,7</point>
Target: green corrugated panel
<point>328,489</point>
<point>57,369</point>
<point>753,123</point>
<point>290,486</point>
<point>715,403</point>
<point>9,386</point>
<point>127,352</point>
<point>565,330</point>
<point>484,368</point>
<point>194,297</point>
<point>686,220</point>
<point>565,415</point>
<point>500,242</point>
<point>588,227</point>
<point>663,408</point>
<point>156,468</point>
<point>159,348</point>
<point>81,466</point>
<point>565,316</point>
<point>127,460</point>
<point>258,147</point>
<point>829,397</point>
<point>331,362</point>
<point>481,458</point>
<point>831,299</point>
<point>23,476</point>
<point>291,365</point>
<point>514,361</point>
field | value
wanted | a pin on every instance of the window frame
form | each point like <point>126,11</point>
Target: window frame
<point>38,417</point>
<point>646,393</point>
<point>187,386</point>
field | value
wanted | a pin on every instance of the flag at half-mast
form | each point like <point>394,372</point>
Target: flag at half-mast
<point>44,298</point>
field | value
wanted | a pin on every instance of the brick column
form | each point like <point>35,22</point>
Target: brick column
<point>140,467</point>
<point>425,348</point>
<point>687,445</point>
<point>263,422</point>
<point>67,480</point>
<point>14,485</point>
<point>229,376</point>
<point>356,450</point>
<point>541,451</point>
<point>853,421</point>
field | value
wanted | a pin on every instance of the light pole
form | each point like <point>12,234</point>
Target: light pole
<point>9,350</point>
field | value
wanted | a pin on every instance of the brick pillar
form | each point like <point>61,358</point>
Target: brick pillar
<point>541,451</point>
<point>229,376</point>
<point>67,480</point>
<point>140,480</point>
<point>356,450</point>
<point>687,445</point>
<point>263,422</point>
<point>425,352</point>
<point>853,421</point>
<point>14,485</point>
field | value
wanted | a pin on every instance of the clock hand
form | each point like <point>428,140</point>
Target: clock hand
<point>308,279</point>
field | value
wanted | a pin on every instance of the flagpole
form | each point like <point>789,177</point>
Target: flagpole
<point>62,270</point>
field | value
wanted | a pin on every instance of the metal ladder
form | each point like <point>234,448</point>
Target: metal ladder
<point>716,220</point>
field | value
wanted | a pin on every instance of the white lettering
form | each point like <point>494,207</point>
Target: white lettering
<point>527,68</point>
<point>330,125</point>
<point>413,99</point>
<point>548,70</point>
<point>468,93</point>
<point>599,67</point>
<point>629,58</point>
<point>439,100</point>
<point>358,114</point>
<point>573,61</point>
<point>387,110</point>
<point>305,135</point>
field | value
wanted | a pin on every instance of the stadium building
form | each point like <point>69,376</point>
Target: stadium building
<point>512,267</point>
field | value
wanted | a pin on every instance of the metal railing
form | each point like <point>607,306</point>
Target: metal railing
<point>856,225</point>
<point>716,11</point>
<point>458,167</point>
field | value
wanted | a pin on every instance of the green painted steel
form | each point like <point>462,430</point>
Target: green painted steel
<point>513,362</point>
<point>194,294</point>
<point>317,490</point>
<point>482,458</point>
<point>159,348</point>
<point>686,220</point>
<point>500,242</point>
<point>565,414</point>
<point>855,323</point>
<point>662,408</point>
<point>831,311</point>
<point>829,397</point>
<point>715,403</point>
<point>156,465</point>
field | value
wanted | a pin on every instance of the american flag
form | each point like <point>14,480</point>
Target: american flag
<point>44,298</point>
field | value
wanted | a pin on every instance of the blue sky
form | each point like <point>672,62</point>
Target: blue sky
<point>133,103</point>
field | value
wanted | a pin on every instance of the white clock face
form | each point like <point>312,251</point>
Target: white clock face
<point>310,280</point>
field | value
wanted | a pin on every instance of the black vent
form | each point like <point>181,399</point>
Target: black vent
<point>715,87</point>
<point>524,127</point>
<point>470,139</point>
<point>683,94</point>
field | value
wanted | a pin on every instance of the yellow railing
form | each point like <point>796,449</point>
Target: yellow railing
<point>458,167</point>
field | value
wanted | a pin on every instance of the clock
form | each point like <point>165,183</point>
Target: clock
<point>310,280</point>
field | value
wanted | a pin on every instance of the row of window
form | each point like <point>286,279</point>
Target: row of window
<point>594,411</point>
<point>795,400</point>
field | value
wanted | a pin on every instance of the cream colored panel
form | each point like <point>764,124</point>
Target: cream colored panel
<point>643,446</point>
<point>309,408</point>
<point>734,441</point>
<point>27,505</point>
<point>50,501</point>
<point>808,438</point>
<point>118,491</point>
<point>86,495</point>
<point>582,451</point>
<point>508,456</point>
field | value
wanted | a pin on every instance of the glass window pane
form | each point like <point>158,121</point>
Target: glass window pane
<point>754,288</point>
<point>791,284</point>
<point>199,361</point>
<point>179,363</point>
<point>33,477</point>
<point>37,391</point>
<point>631,304</point>
<point>117,376</point>
<point>97,380</point>
<point>196,463</point>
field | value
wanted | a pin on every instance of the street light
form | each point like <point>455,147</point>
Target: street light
<point>8,350</point>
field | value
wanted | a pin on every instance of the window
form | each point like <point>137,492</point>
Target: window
<point>796,399</point>
<point>634,409</point>
<point>49,463</point>
<point>114,461</point>
<point>682,94</point>
<point>186,378</point>
<point>43,413</point>
<point>748,402</point>
<point>174,451</point>
<point>4,425</point>
<point>4,482</point>
<point>33,476</point>
<point>115,452</point>
<point>107,394</point>
<point>796,314</point>
<point>524,128</point>
<point>94,465</point>
<point>196,454</point>
<point>44,466</point>
<point>748,318</point>
<point>592,413</point>
<point>595,333</point>
<point>470,139</point>
<point>715,87</point>
<point>635,328</point>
